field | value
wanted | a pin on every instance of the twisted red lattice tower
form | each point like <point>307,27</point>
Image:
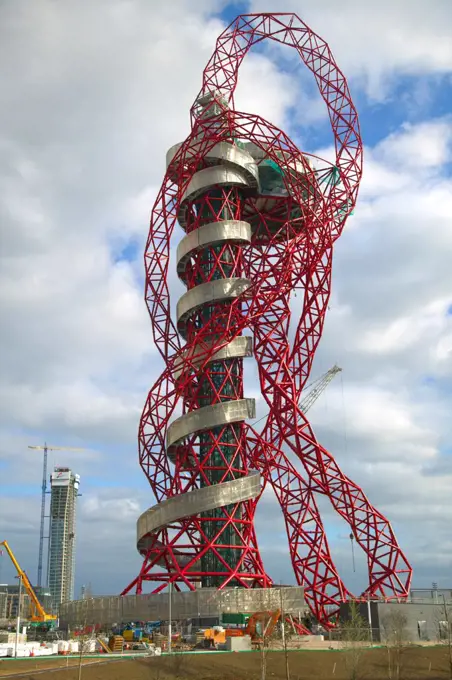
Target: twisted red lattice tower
<point>260,219</point>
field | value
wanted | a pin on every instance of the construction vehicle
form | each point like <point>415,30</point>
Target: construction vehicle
<point>38,614</point>
<point>137,632</point>
<point>260,625</point>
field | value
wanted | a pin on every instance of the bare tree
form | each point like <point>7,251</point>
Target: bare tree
<point>85,638</point>
<point>83,641</point>
<point>354,635</point>
<point>285,633</point>
<point>395,631</point>
<point>265,645</point>
<point>178,665</point>
<point>444,629</point>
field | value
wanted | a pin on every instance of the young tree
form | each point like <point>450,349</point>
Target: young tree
<point>87,634</point>
<point>178,660</point>
<point>267,634</point>
<point>286,633</point>
<point>444,623</point>
<point>354,635</point>
<point>394,626</point>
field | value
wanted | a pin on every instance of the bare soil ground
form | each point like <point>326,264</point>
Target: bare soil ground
<point>12,667</point>
<point>418,663</point>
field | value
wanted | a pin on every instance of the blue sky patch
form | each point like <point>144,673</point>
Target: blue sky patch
<point>129,252</point>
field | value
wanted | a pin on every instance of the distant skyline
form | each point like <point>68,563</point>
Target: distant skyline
<point>92,98</point>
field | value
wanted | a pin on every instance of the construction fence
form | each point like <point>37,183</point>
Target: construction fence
<point>201,603</point>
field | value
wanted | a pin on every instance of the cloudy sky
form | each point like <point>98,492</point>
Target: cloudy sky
<point>93,93</point>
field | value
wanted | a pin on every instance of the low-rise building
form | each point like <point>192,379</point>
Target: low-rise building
<point>416,621</point>
<point>9,601</point>
<point>3,599</point>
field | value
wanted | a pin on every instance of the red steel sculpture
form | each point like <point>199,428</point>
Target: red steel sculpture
<point>260,220</point>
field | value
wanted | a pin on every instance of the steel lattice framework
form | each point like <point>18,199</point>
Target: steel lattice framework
<point>261,218</point>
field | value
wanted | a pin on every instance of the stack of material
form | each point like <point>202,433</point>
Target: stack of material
<point>157,651</point>
<point>43,651</point>
<point>116,643</point>
<point>27,649</point>
<point>152,649</point>
<point>157,638</point>
<point>88,646</point>
<point>63,647</point>
<point>238,644</point>
<point>200,636</point>
<point>10,638</point>
<point>22,651</point>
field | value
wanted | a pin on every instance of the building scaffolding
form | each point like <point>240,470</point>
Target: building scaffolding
<point>63,504</point>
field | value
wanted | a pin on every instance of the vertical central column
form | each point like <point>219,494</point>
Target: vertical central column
<point>221,449</point>
<point>210,263</point>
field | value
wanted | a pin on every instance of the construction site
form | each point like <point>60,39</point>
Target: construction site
<point>260,219</point>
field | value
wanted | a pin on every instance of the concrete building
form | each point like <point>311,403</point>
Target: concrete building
<point>63,504</point>
<point>203,607</point>
<point>431,595</point>
<point>9,601</point>
<point>3,601</point>
<point>423,621</point>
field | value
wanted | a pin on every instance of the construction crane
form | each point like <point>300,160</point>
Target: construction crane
<point>46,448</point>
<point>317,387</point>
<point>315,390</point>
<point>38,614</point>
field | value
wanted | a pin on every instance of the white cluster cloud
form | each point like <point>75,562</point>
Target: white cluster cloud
<point>421,148</point>
<point>378,43</point>
<point>84,127</point>
<point>390,327</point>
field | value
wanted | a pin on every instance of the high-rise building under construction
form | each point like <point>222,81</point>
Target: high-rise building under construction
<point>61,570</point>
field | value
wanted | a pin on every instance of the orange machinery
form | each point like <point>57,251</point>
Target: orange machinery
<point>260,625</point>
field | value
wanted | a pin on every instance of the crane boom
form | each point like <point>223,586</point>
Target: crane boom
<point>40,614</point>
<point>317,388</point>
<point>57,448</point>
